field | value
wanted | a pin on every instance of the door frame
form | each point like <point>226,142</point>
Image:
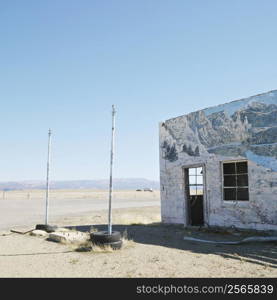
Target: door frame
<point>187,207</point>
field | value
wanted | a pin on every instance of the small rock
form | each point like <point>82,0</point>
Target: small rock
<point>38,232</point>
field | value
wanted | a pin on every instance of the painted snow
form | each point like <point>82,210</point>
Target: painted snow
<point>231,107</point>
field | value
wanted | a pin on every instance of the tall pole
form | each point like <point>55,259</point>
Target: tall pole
<point>47,176</point>
<point>111,173</point>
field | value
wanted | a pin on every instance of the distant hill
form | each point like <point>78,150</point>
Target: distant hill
<point>101,184</point>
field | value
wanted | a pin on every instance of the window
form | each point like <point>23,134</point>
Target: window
<point>195,181</point>
<point>235,181</point>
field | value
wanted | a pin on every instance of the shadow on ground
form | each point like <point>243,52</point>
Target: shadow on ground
<point>171,236</point>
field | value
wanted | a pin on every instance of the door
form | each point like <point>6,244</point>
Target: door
<point>194,188</point>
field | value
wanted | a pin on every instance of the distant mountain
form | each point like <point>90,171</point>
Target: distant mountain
<point>245,128</point>
<point>250,125</point>
<point>101,184</point>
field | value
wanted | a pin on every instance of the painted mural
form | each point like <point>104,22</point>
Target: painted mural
<point>246,128</point>
<point>242,129</point>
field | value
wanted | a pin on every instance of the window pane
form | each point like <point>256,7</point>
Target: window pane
<point>242,194</point>
<point>199,179</point>
<point>230,194</point>
<point>192,180</point>
<point>242,180</point>
<point>192,171</point>
<point>242,167</point>
<point>229,168</point>
<point>199,171</point>
<point>230,180</point>
<point>199,190</point>
<point>192,190</point>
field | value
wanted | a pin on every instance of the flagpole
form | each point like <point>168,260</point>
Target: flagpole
<point>111,172</point>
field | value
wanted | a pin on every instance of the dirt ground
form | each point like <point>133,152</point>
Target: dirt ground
<point>27,207</point>
<point>152,250</point>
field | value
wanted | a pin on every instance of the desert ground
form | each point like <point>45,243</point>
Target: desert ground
<point>150,249</point>
<point>19,208</point>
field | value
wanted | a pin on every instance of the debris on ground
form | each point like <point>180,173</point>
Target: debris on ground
<point>39,233</point>
<point>75,237</point>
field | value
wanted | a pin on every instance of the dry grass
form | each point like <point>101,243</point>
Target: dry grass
<point>93,248</point>
<point>128,243</point>
<point>101,249</point>
<point>130,217</point>
<point>74,261</point>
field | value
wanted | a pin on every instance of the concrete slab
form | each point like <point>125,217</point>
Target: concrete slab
<point>74,237</point>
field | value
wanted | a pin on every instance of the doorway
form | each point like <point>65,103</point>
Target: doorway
<point>194,189</point>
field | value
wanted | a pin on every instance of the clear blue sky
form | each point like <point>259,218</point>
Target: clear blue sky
<point>63,63</point>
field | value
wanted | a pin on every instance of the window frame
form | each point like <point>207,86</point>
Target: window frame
<point>236,187</point>
<point>196,184</point>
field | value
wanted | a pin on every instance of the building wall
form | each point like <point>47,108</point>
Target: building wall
<point>244,129</point>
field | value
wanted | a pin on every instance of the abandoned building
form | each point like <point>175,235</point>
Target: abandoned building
<point>218,166</point>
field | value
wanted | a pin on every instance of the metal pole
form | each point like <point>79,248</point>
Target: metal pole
<point>111,173</point>
<point>47,176</point>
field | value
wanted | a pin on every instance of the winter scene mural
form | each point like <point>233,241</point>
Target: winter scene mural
<point>244,129</point>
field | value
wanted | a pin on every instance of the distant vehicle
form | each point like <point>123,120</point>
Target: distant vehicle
<point>148,190</point>
<point>138,190</point>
